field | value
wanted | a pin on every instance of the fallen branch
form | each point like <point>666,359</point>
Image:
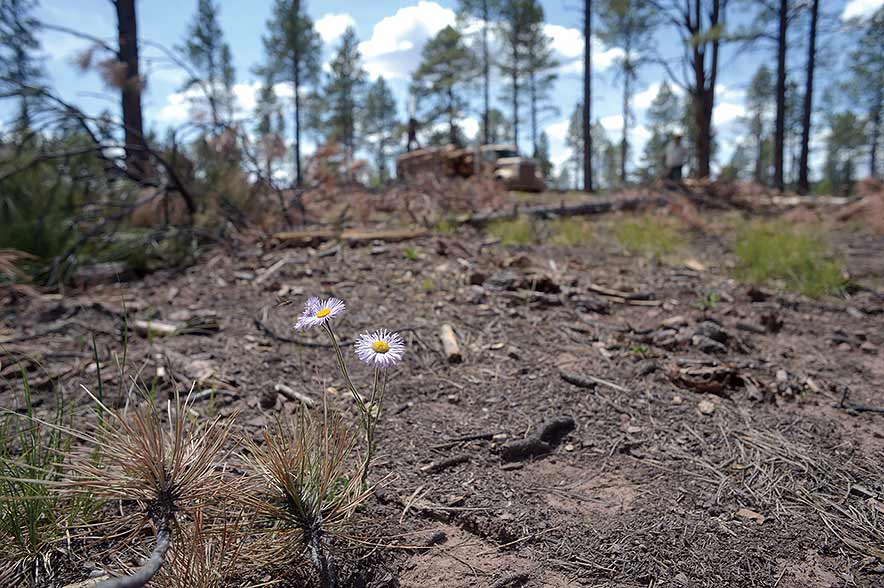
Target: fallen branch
<point>844,405</point>
<point>147,571</point>
<point>463,439</point>
<point>438,466</point>
<point>589,381</point>
<point>294,395</point>
<point>598,206</point>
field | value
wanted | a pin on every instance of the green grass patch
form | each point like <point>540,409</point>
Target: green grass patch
<point>799,257</point>
<point>649,236</point>
<point>34,518</point>
<point>570,231</point>
<point>516,231</point>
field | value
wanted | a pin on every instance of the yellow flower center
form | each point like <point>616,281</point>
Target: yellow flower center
<point>380,347</point>
<point>323,313</point>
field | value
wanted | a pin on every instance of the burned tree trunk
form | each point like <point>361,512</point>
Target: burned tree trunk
<point>587,96</point>
<point>803,176</point>
<point>780,131</point>
<point>130,88</point>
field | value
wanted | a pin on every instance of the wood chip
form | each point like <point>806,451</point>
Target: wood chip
<point>449,344</point>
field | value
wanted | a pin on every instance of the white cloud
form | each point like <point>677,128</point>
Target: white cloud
<point>470,127</point>
<point>568,44</point>
<point>557,131</point>
<point>643,99</point>
<point>612,123</point>
<point>861,9</point>
<point>726,112</point>
<point>558,151</point>
<point>176,109</point>
<point>728,93</point>
<point>566,41</point>
<point>393,51</point>
<point>184,106</point>
<point>61,46</point>
<point>332,25</point>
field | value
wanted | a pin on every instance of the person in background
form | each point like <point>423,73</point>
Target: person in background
<point>412,125</point>
<point>674,158</point>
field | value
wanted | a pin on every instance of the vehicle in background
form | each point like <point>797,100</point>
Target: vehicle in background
<point>502,162</point>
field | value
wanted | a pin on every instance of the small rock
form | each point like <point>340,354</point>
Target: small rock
<point>268,399</point>
<point>569,447</point>
<point>452,398</point>
<point>677,400</point>
<point>504,280</point>
<point>844,347</point>
<point>476,278</point>
<point>705,407</point>
<point>869,348</point>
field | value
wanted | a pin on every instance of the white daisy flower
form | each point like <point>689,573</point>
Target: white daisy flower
<point>380,349</point>
<point>316,312</point>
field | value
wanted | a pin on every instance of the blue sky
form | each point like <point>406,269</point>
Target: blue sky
<point>392,35</point>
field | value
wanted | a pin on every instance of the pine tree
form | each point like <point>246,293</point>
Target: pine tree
<point>587,95</point>
<point>663,118</point>
<point>209,56</point>
<point>627,24</point>
<point>574,141</point>
<point>131,84</point>
<point>702,26</point>
<point>759,98</point>
<point>487,11</point>
<point>343,90</point>
<point>807,111</point>
<point>500,130</point>
<point>270,127</point>
<point>517,25</point>
<point>540,70</point>
<point>542,156</point>
<point>379,123</point>
<point>293,48</point>
<point>844,145</point>
<point>442,80</point>
<point>866,85</point>
<point>19,68</point>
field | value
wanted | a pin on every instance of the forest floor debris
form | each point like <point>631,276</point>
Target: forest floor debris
<point>585,437</point>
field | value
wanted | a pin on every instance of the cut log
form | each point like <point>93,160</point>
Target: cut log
<point>449,344</point>
<point>596,206</point>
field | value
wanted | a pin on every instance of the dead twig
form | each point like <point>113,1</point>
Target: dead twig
<point>589,381</point>
<point>149,569</point>
<point>438,466</point>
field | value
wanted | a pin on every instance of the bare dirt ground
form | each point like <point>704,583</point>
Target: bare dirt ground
<point>605,428</point>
